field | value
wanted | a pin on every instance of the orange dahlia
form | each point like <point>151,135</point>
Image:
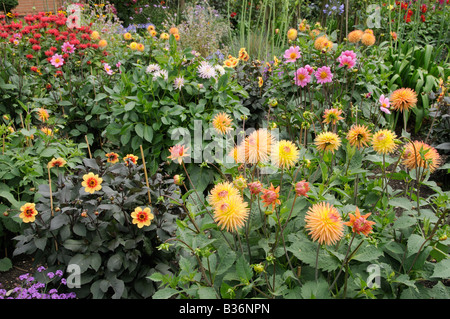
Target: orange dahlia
<point>177,153</point>
<point>142,217</point>
<point>91,183</point>
<point>112,157</point>
<point>322,43</point>
<point>420,154</point>
<point>359,223</point>
<point>28,212</point>
<point>43,114</point>
<point>222,123</point>
<point>403,99</point>
<point>130,158</point>
<point>332,116</point>
<point>257,146</point>
<point>359,136</point>
<point>270,196</point>
<point>355,36</point>
<point>56,162</point>
<point>368,39</point>
<point>324,223</point>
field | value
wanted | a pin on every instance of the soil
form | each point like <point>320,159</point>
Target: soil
<point>21,265</point>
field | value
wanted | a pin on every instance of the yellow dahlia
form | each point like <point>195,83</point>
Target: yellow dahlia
<point>91,183</point>
<point>403,99</point>
<point>127,36</point>
<point>324,223</point>
<point>383,141</point>
<point>420,154</point>
<point>359,136</point>
<point>327,141</point>
<point>142,217</point>
<point>285,154</point>
<point>28,212</point>
<point>292,34</point>
<point>231,213</point>
<point>222,123</point>
<point>220,192</point>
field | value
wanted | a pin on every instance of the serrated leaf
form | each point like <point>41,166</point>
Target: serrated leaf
<point>442,269</point>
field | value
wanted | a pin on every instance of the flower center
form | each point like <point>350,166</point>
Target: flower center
<point>92,182</point>
<point>323,75</point>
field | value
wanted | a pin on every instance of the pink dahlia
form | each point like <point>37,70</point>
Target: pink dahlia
<point>57,60</point>
<point>309,69</point>
<point>384,101</point>
<point>345,60</point>
<point>324,75</point>
<point>68,48</point>
<point>302,77</point>
<point>292,54</point>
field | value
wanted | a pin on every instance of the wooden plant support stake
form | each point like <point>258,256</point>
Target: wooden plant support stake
<point>89,149</point>
<point>146,177</point>
<point>50,189</point>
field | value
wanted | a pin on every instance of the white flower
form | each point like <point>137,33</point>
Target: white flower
<point>161,73</point>
<point>178,83</point>
<point>220,69</point>
<point>152,68</point>
<point>206,70</point>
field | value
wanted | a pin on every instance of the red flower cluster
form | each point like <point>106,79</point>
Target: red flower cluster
<point>40,36</point>
<point>409,12</point>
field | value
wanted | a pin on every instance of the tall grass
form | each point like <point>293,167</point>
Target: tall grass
<point>256,31</point>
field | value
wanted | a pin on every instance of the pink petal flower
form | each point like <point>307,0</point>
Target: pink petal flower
<point>324,75</point>
<point>302,77</point>
<point>292,54</point>
<point>57,60</point>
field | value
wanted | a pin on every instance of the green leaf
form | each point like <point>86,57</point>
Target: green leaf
<point>402,202</point>
<point>244,270</point>
<point>442,269</point>
<point>5,264</point>
<point>139,128</point>
<point>315,289</point>
<point>414,244</point>
<point>207,293</point>
<point>115,262</point>
<point>165,293</point>
<point>148,133</point>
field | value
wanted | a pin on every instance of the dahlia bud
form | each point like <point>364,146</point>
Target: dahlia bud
<point>240,182</point>
<point>178,180</point>
<point>255,187</point>
<point>302,188</point>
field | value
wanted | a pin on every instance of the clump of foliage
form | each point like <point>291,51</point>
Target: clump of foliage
<point>95,229</point>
